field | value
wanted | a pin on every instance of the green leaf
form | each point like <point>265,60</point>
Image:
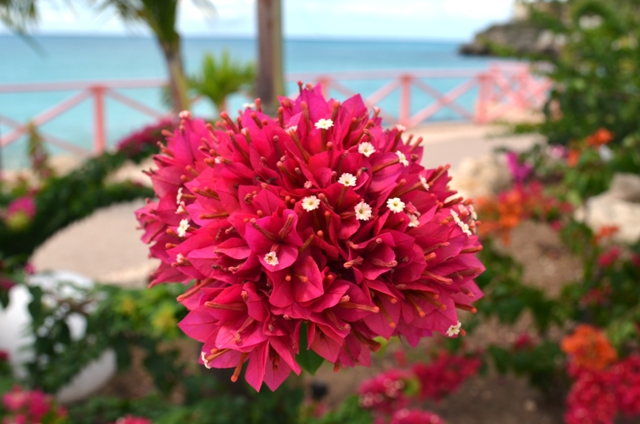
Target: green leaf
<point>308,359</point>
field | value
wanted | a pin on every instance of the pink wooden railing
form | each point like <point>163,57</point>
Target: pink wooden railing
<point>501,89</point>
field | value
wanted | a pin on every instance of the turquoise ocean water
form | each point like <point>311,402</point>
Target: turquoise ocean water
<point>66,58</point>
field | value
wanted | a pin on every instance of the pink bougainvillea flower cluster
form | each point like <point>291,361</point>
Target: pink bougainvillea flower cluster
<point>415,416</point>
<point>146,138</point>
<point>31,407</point>
<point>599,396</point>
<point>318,230</point>
<point>444,374</point>
<point>384,393</point>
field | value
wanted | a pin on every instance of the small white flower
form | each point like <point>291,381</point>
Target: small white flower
<point>185,114</point>
<point>474,215</point>
<point>403,158</point>
<point>310,203</point>
<point>606,154</point>
<point>248,106</point>
<point>308,185</point>
<point>218,159</point>
<point>366,149</point>
<point>324,124</point>
<point>204,360</point>
<point>395,205</point>
<point>180,258</point>
<point>424,183</point>
<point>181,209</point>
<point>271,258</point>
<point>291,130</point>
<point>363,211</point>
<point>179,196</point>
<point>347,180</point>
<point>401,128</point>
<point>454,330</point>
<point>414,221</point>
<point>465,228</point>
<point>183,227</point>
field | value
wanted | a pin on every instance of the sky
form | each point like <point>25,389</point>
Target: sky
<point>379,19</point>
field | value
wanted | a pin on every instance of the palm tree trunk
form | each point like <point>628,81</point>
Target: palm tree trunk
<point>270,81</point>
<point>177,80</point>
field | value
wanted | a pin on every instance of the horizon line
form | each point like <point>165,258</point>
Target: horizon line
<point>242,37</point>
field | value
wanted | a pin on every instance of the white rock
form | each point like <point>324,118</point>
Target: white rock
<point>619,206</point>
<point>481,176</point>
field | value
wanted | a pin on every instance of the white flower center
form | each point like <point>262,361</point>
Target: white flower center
<point>474,215</point>
<point>347,180</point>
<point>366,149</point>
<point>183,227</point>
<point>424,183</point>
<point>248,105</point>
<point>403,158</point>
<point>204,359</point>
<point>185,114</point>
<point>414,221</point>
<point>454,330</point>
<point>179,196</point>
<point>363,211</point>
<point>271,258</point>
<point>292,129</point>
<point>310,203</point>
<point>395,205</point>
<point>463,226</point>
<point>324,124</point>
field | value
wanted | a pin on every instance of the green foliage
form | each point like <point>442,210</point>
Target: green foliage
<point>65,199</point>
<point>221,77</point>
<point>596,76</point>
<point>308,359</point>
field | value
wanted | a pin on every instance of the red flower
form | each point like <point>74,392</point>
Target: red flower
<point>415,416</point>
<point>319,221</point>
<point>608,258</point>
<point>524,341</point>
<point>385,392</point>
<point>444,374</point>
<point>30,407</point>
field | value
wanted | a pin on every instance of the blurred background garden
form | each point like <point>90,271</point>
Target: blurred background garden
<point>534,104</point>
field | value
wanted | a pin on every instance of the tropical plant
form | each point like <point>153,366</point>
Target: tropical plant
<point>221,77</point>
<point>17,15</point>
<point>596,75</point>
<point>160,17</point>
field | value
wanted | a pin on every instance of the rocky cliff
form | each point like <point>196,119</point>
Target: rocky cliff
<point>519,37</point>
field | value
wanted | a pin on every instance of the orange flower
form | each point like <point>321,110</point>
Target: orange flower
<point>600,137</point>
<point>573,157</point>
<point>589,348</point>
<point>605,232</point>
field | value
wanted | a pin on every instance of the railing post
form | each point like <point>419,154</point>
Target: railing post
<point>324,85</point>
<point>483,98</point>
<point>98,119</point>
<point>405,100</point>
